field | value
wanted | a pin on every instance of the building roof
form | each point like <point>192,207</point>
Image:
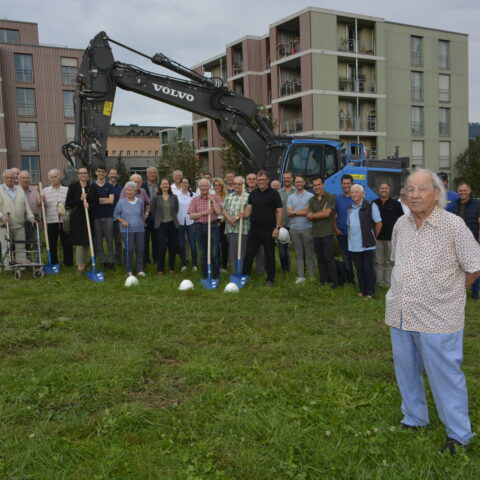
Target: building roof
<point>135,130</point>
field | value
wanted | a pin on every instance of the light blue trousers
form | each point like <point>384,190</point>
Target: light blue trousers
<point>441,355</point>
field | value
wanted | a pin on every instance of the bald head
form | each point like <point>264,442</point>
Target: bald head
<point>137,179</point>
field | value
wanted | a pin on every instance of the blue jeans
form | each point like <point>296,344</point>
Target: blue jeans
<point>190,231</point>
<point>347,258</point>
<point>441,355</point>
<point>201,234</point>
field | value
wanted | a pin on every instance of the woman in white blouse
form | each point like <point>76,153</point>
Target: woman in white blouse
<point>187,226</point>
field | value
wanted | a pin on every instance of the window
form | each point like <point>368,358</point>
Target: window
<point>121,153</point>
<point>416,86</point>
<point>135,153</point>
<point>9,36</point>
<point>444,54</point>
<point>69,132</point>
<point>417,121</point>
<point>23,68</point>
<point>31,163</point>
<point>149,153</point>
<point>143,153</point>
<point>444,88</point>
<point>444,122</point>
<point>114,153</point>
<point>128,153</point>
<point>69,71</point>
<point>417,154</point>
<point>156,153</point>
<point>416,51</point>
<point>26,102</point>
<point>28,136</point>
<point>444,155</point>
<point>68,109</point>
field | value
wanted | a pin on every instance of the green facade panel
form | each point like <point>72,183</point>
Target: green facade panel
<point>323,31</point>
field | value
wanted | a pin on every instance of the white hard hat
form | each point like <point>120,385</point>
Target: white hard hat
<point>186,285</point>
<point>231,288</point>
<point>283,235</point>
<point>131,281</point>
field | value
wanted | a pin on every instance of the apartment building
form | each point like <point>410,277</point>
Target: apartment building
<point>356,78</point>
<point>172,134</point>
<point>37,83</point>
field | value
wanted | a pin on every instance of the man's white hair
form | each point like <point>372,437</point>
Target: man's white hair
<point>357,186</point>
<point>437,185</point>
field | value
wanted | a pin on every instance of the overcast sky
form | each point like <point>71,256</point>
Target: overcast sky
<point>191,31</point>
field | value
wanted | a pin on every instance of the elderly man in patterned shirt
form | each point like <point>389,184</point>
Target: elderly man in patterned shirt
<point>435,259</point>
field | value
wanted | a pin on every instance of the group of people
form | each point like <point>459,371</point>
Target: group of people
<point>426,255</point>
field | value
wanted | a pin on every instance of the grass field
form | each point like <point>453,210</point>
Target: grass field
<point>103,382</point>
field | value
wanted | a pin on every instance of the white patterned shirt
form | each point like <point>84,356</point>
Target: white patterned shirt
<point>427,292</point>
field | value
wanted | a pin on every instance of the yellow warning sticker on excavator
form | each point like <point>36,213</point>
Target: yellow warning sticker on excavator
<point>358,176</point>
<point>107,108</point>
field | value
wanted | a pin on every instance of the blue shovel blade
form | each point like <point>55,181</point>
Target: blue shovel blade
<point>53,269</point>
<point>95,276</point>
<point>239,280</point>
<point>211,284</point>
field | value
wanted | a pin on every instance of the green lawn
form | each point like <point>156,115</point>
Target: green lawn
<point>103,382</point>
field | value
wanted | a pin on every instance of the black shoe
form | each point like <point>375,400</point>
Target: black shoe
<point>405,426</point>
<point>269,284</point>
<point>452,446</point>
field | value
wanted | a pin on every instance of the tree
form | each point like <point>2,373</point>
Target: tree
<point>468,166</point>
<point>232,159</point>
<point>123,174</point>
<point>178,155</point>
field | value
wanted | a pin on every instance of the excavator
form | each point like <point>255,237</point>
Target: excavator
<point>237,118</point>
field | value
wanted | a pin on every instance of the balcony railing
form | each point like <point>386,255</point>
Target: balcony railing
<point>444,129</point>
<point>357,124</point>
<point>203,142</point>
<point>417,129</point>
<point>444,161</point>
<point>444,62</point>
<point>417,160</point>
<point>290,87</point>
<point>285,49</point>
<point>416,94</point>
<point>416,59</point>
<point>356,46</point>
<point>361,85</point>
<point>237,68</point>
<point>292,126</point>
<point>443,95</point>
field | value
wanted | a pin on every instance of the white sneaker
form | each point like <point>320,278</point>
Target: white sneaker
<point>184,268</point>
<point>299,280</point>
<point>141,274</point>
<point>194,269</point>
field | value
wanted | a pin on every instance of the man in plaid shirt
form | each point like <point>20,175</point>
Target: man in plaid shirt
<point>198,211</point>
<point>232,206</point>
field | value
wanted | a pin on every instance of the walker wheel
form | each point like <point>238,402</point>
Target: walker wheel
<point>17,273</point>
<point>38,272</point>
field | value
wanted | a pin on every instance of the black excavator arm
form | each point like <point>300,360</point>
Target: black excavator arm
<point>237,117</point>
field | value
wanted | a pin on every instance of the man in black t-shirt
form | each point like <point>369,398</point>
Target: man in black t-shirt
<point>265,212</point>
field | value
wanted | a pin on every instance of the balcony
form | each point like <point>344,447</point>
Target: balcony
<point>444,129</point>
<point>416,160</point>
<point>416,94</point>
<point>290,87</point>
<point>291,126</point>
<point>444,161</point>
<point>416,59</point>
<point>443,95</point>
<point>355,46</point>
<point>356,124</point>
<point>443,62</point>
<point>203,142</point>
<point>417,129</point>
<point>290,47</point>
<point>237,67</point>
<point>361,85</point>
